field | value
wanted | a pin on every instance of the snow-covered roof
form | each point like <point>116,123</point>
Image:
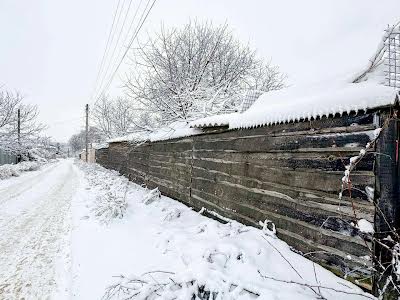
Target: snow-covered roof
<point>286,105</point>
<point>304,103</point>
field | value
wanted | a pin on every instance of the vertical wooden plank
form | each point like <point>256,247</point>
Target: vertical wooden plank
<point>387,206</point>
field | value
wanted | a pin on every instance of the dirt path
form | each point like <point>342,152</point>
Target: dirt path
<point>34,225</point>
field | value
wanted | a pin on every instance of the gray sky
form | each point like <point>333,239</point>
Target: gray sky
<point>50,50</point>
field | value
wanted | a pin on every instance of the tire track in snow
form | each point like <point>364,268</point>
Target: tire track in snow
<point>31,241</point>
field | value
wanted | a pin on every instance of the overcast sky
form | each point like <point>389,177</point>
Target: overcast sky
<point>50,50</point>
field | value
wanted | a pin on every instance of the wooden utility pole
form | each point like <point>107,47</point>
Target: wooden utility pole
<point>87,132</point>
<point>19,134</point>
<point>19,126</point>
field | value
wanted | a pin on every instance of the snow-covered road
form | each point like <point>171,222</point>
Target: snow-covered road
<point>34,227</point>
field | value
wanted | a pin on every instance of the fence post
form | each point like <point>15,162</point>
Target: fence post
<point>387,207</point>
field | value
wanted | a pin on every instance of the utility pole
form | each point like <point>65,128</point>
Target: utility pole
<point>19,126</point>
<point>19,134</point>
<point>87,132</point>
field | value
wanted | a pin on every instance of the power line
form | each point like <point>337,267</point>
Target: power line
<point>126,38</point>
<point>105,50</point>
<point>112,39</point>
<point>129,46</point>
<point>133,20</point>
<point>116,44</point>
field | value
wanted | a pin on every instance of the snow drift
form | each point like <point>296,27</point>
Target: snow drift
<point>7,171</point>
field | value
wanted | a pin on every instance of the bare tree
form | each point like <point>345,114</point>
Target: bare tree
<point>197,70</point>
<point>10,103</point>
<point>77,141</point>
<point>120,116</point>
<point>103,116</point>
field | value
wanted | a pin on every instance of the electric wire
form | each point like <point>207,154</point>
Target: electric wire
<point>112,39</point>
<point>142,20</point>
<point>116,43</point>
<point>105,50</point>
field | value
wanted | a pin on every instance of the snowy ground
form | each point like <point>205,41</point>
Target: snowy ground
<point>52,245</point>
<point>7,171</point>
<point>34,213</point>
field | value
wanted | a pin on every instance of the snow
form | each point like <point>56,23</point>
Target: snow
<point>217,120</point>
<point>377,61</point>
<point>98,146</point>
<point>306,102</point>
<point>365,90</point>
<point>54,244</point>
<point>365,226</point>
<point>170,240</point>
<point>172,131</point>
<point>293,104</point>
<point>132,137</point>
<point>370,191</point>
<point>175,130</point>
<point>8,170</point>
<point>34,222</point>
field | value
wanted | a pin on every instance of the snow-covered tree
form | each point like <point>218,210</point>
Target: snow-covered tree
<point>120,116</point>
<point>197,70</point>
<point>77,142</point>
<point>30,128</point>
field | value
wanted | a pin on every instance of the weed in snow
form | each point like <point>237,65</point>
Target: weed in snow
<point>110,190</point>
<point>109,206</point>
<point>173,214</point>
<point>152,196</point>
<point>168,285</point>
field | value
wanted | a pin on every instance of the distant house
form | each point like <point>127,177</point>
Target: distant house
<point>93,147</point>
<point>91,155</point>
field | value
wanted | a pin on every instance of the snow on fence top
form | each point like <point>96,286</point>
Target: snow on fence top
<point>214,121</point>
<point>283,106</point>
<point>98,146</point>
<point>172,131</point>
<point>296,104</point>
